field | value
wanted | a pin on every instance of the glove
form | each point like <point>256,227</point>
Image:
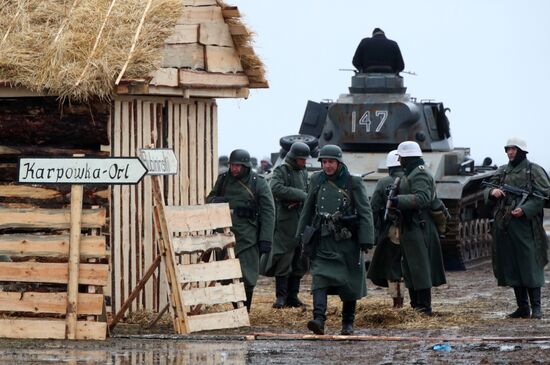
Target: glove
<point>365,247</point>
<point>264,247</point>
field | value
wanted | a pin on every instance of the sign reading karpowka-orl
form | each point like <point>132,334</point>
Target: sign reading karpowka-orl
<point>159,161</point>
<point>81,170</point>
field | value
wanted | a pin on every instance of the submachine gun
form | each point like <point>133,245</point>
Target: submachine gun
<point>393,190</point>
<point>515,191</point>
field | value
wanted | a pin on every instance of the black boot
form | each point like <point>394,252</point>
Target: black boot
<point>413,294</point>
<point>534,297</point>
<point>348,316</point>
<point>522,301</point>
<point>317,324</point>
<point>281,292</point>
<point>424,301</point>
<point>249,291</point>
<point>293,289</point>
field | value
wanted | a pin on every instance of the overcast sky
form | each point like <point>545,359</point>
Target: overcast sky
<point>486,60</point>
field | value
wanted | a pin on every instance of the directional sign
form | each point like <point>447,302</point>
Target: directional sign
<point>81,170</point>
<point>159,161</point>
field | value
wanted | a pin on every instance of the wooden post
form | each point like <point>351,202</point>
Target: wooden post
<point>74,262</point>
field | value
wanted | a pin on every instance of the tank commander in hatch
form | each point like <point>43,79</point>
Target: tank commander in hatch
<point>378,54</point>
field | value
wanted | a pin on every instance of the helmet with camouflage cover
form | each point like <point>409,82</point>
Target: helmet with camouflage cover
<point>240,157</point>
<point>331,151</point>
<point>298,150</point>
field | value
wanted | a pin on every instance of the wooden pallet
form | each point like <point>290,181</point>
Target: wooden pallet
<point>36,301</point>
<point>202,291</point>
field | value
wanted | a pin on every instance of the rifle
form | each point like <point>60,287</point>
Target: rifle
<point>515,191</point>
<point>393,190</point>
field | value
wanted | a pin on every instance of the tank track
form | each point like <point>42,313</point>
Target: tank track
<point>468,239</point>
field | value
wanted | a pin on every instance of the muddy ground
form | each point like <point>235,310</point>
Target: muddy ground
<point>469,311</point>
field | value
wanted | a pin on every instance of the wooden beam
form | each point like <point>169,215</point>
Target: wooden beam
<point>55,303</point>
<point>7,150</point>
<point>199,2</point>
<point>74,261</point>
<point>20,245</point>
<point>230,319</point>
<point>165,77</point>
<point>215,34</point>
<point>222,59</point>
<point>200,79</point>
<point>50,329</point>
<point>190,244</point>
<point>214,294</point>
<point>183,55</point>
<point>184,33</point>
<point>242,92</point>
<point>231,12</point>
<point>202,14</point>
<point>49,218</point>
<point>124,307</point>
<point>39,272</point>
<point>211,271</point>
<point>197,218</point>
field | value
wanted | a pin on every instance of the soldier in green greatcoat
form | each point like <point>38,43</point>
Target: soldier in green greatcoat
<point>422,262</point>
<point>252,214</point>
<point>289,188</point>
<point>519,241</point>
<point>385,266</point>
<point>338,208</point>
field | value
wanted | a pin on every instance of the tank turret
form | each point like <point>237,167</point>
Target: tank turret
<point>372,119</point>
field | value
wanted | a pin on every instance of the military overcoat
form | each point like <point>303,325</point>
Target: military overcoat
<point>289,188</point>
<point>240,192</point>
<point>338,266</point>
<point>422,258</point>
<point>519,249</point>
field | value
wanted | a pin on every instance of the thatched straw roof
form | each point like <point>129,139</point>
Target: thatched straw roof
<point>78,49</point>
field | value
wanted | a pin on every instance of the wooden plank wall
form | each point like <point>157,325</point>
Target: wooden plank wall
<point>189,126</point>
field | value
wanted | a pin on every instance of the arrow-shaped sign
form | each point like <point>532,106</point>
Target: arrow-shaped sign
<point>81,170</point>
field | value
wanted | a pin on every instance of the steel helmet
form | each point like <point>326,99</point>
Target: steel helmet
<point>298,150</point>
<point>516,142</point>
<point>392,159</point>
<point>331,151</point>
<point>409,149</point>
<point>240,157</point>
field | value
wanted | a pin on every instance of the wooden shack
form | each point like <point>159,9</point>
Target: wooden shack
<point>77,81</point>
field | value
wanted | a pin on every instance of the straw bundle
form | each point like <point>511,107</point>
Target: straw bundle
<point>76,48</point>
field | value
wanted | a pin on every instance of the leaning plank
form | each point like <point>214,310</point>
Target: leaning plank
<point>204,79</point>
<point>197,218</point>
<point>49,218</point>
<point>39,272</point>
<point>222,59</point>
<point>214,294</point>
<point>189,244</point>
<point>212,271</point>
<point>56,303</point>
<point>230,319</point>
<point>50,246</point>
<point>50,329</point>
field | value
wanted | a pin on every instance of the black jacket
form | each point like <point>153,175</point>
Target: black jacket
<point>378,51</point>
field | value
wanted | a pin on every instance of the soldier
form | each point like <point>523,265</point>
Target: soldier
<point>289,187</point>
<point>338,207</point>
<point>519,240</point>
<point>418,236</point>
<point>223,164</point>
<point>252,214</point>
<point>378,54</point>
<point>385,267</point>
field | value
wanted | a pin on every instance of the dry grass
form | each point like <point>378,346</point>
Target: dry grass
<point>46,44</point>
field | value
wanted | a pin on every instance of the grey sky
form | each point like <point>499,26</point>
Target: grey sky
<point>486,60</point>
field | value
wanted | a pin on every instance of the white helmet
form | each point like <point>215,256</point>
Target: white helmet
<point>392,159</point>
<point>516,142</point>
<point>409,149</point>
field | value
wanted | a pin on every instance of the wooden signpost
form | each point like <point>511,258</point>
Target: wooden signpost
<point>76,171</point>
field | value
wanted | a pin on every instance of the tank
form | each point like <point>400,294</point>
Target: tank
<point>372,119</point>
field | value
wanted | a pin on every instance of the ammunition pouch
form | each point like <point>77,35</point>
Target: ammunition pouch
<point>440,215</point>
